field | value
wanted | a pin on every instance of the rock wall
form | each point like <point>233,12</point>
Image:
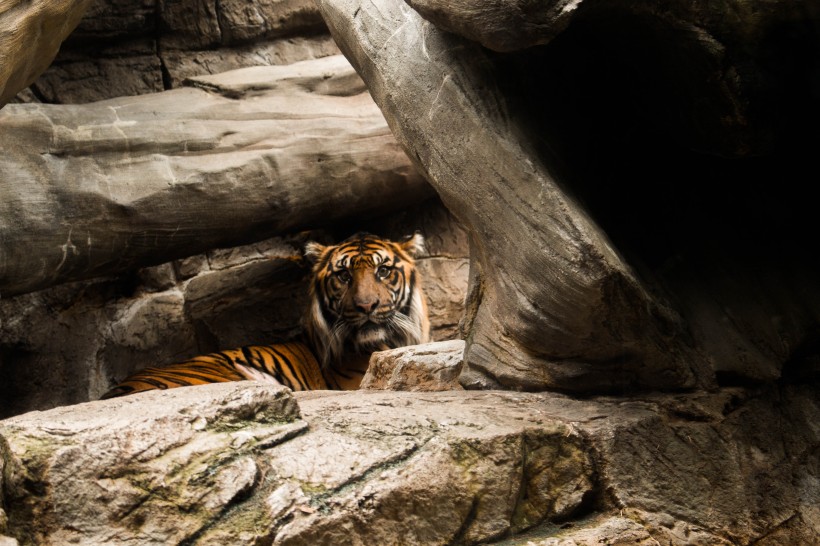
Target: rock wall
<point>614,248</point>
<point>105,187</point>
<point>148,194</point>
<point>135,48</point>
<point>30,36</point>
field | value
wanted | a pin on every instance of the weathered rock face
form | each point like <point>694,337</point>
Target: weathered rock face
<point>228,464</point>
<point>135,48</point>
<point>607,255</point>
<point>725,54</point>
<point>106,187</point>
<point>594,266</point>
<point>432,366</point>
<point>30,36</point>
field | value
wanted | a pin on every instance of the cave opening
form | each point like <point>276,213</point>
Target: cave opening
<point>671,156</point>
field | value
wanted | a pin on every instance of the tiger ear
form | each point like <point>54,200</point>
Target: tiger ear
<point>314,251</point>
<point>413,245</point>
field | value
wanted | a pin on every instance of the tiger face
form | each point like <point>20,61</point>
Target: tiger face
<point>365,296</point>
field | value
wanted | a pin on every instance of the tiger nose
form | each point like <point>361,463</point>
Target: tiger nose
<point>366,306</point>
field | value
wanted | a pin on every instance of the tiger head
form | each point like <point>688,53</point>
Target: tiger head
<point>365,296</point>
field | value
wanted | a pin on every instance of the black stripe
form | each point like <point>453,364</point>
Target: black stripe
<point>250,360</point>
<point>405,310</point>
<point>290,368</point>
<point>271,368</point>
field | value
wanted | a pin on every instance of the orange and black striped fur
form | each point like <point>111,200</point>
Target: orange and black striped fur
<point>365,296</point>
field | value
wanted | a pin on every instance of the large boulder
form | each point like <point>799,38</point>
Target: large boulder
<point>242,463</point>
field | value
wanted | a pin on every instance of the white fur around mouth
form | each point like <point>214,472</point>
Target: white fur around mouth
<point>370,334</point>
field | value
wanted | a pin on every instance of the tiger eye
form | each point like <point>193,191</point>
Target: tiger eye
<point>383,271</point>
<point>344,276</point>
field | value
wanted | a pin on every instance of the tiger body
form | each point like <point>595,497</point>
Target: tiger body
<point>365,296</point>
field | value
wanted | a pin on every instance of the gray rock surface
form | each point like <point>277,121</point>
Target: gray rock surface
<point>134,48</point>
<point>242,463</point>
<point>432,366</point>
<point>107,187</point>
<point>503,26</point>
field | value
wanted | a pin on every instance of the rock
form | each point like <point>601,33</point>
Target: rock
<point>238,463</point>
<point>501,26</point>
<point>183,64</point>
<point>201,24</point>
<point>80,81</point>
<point>587,275</point>
<point>609,530</point>
<point>429,367</point>
<point>99,189</point>
<point>572,315</point>
<point>30,36</point>
<point>163,43</point>
<point>725,111</point>
<point>160,465</point>
<point>445,291</point>
<point>283,477</point>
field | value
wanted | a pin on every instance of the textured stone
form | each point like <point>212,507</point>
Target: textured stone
<point>429,367</point>
<point>98,189</point>
<point>243,22</point>
<point>200,24</point>
<point>240,463</point>
<point>162,469</point>
<point>183,64</point>
<point>30,36</point>
<point>135,48</point>
<point>612,531</point>
<point>446,291</point>
<point>75,82</point>
<point>572,315</point>
<point>246,468</point>
<point>503,26</point>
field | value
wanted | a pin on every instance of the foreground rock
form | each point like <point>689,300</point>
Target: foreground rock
<point>429,367</point>
<point>241,464</point>
<point>107,187</point>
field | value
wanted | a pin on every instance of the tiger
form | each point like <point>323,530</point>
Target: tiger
<point>365,295</point>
